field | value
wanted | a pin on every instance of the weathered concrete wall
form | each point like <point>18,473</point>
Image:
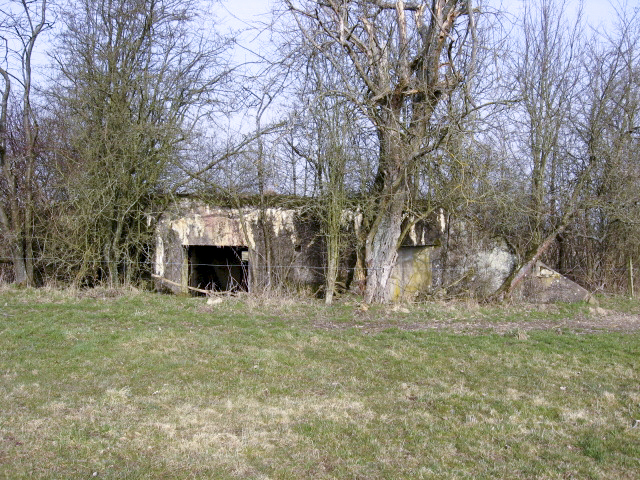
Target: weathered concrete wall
<point>545,285</point>
<point>470,262</point>
<point>412,274</point>
<point>291,238</point>
<point>439,253</point>
<point>295,245</point>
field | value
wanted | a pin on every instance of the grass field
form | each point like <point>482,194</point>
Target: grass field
<point>99,384</point>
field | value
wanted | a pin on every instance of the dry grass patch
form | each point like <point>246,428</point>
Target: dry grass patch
<point>155,386</point>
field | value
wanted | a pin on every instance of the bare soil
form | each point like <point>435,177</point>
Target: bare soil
<point>596,320</point>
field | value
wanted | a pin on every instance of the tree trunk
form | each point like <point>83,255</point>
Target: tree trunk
<point>267,273</point>
<point>332,273</point>
<point>332,238</point>
<point>381,250</point>
<point>20,271</point>
<point>632,293</point>
<point>333,226</point>
<point>22,261</point>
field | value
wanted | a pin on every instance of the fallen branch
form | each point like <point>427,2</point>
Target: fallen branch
<point>199,290</point>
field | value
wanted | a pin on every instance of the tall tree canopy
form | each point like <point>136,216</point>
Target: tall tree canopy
<point>401,63</point>
<point>136,77</point>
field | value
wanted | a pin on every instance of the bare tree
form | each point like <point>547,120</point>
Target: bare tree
<point>398,62</point>
<point>327,139</point>
<point>135,81</point>
<point>24,21</point>
<point>605,236</point>
<point>548,72</point>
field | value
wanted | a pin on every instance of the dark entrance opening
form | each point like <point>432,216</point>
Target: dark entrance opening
<point>224,269</point>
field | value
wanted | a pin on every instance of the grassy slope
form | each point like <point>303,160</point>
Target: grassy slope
<point>148,386</point>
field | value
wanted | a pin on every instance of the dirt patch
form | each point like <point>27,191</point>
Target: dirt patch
<point>596,321</point>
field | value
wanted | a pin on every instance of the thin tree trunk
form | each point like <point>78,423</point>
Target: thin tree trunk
<point>335,207</point>
<point>20,269</point>
<point>332,273</point>
<point>332,237</point>
<point>267,274</point>
<point>19,266</point>
<point>30,132</point>
<point>632,293</point>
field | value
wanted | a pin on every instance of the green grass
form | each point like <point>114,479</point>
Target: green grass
<point>152,386</point>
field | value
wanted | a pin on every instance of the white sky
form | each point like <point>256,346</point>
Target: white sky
<point>246,10</point>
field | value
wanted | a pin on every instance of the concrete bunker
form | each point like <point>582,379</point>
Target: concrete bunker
<point>412,273</point>
<point>212,248</point>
